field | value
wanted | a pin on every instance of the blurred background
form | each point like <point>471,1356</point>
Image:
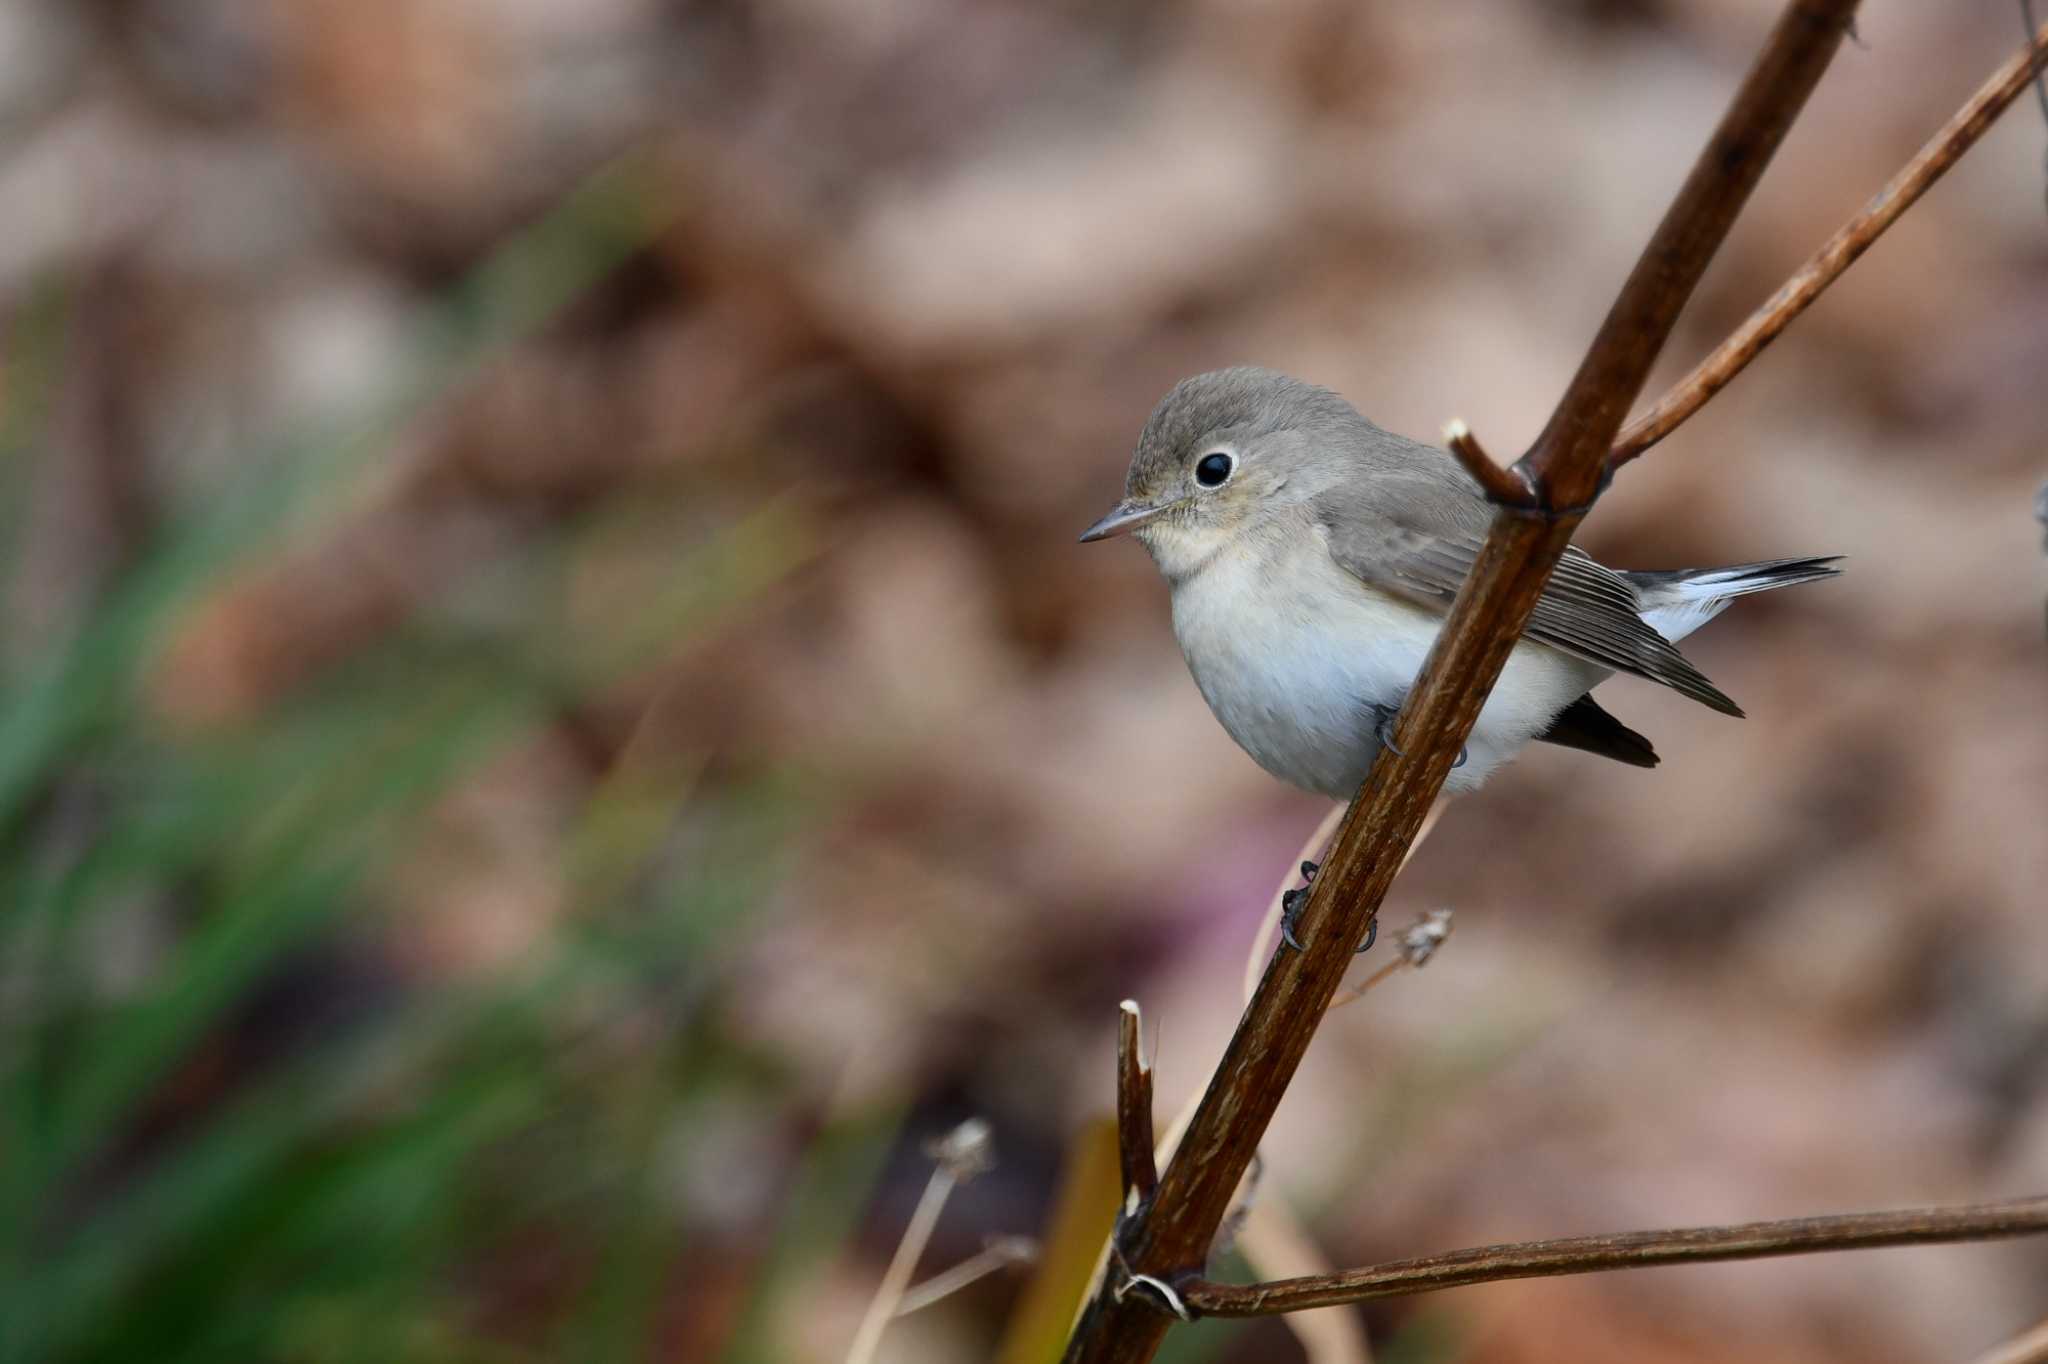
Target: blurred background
<point>555,730</point>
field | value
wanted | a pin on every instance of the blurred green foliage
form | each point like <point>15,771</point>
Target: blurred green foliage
<point>343,1194</point>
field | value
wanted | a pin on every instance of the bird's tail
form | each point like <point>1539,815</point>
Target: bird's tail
<point>1679,601</point>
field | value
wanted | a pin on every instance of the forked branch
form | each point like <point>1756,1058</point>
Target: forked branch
<point>1164,1241</point>
<point>1900,193</point>
<point>1169,1237</point>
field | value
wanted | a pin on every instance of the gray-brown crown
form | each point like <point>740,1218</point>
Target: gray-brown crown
<point>1237,405</point>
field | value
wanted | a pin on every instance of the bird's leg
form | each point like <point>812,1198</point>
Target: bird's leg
<point>1292,903</point>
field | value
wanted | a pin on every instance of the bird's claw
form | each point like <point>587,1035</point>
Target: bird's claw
<point>1290,910</point>
<point>1383,729</point>
<point>1291,905</point>
<point>1293,901</point>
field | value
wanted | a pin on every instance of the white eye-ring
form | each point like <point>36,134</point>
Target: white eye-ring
<point>1213,470</point>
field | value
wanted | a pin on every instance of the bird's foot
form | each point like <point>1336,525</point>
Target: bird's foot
<point>1383,730</point>
<point>1294,901</point>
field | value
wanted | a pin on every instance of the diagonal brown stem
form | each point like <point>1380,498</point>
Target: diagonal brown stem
<point>1631,1250</point>
<point>1943,150</point>
<point>1169,1239</point>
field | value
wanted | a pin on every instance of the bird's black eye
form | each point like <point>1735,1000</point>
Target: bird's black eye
<point>1213,469</point>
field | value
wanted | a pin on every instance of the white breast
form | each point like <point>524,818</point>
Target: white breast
<point>1292,653</point>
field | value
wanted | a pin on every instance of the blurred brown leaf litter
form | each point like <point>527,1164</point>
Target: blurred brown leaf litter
<point>531,895</point>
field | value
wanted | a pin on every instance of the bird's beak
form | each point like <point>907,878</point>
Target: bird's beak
<point>1126,515</point>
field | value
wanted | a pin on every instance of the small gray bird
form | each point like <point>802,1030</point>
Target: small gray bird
<point>1312,557</point>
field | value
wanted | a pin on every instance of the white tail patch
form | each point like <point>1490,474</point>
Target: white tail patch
<point>1677,603</point>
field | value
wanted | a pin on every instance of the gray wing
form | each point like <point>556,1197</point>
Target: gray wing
<point>1423,553</point>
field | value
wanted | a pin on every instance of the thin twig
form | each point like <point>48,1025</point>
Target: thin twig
<point>1412,951</point>
<point>961,1154</point>
<point>1504,487</point>
<point>1000,1253</point>
<point>1632,1250</point>
<point>1691,393</point>
<point>1365,987</point>
<point>1170,1236</point>
<point>1134,1105</point>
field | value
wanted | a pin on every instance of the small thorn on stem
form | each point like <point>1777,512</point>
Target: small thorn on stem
<point>1503,486</point>
<point>1134,1137</point>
